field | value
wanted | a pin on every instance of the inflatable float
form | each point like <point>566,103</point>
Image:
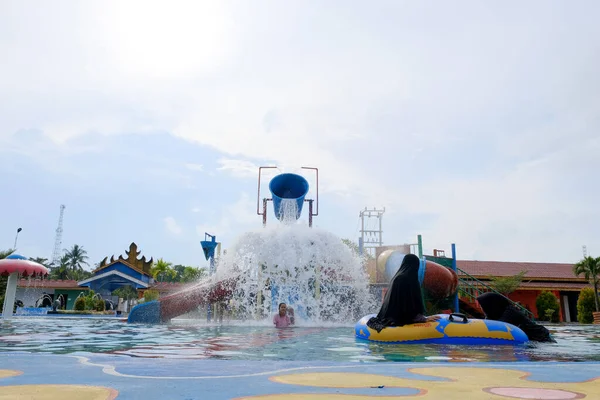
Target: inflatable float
<point>450,329</point>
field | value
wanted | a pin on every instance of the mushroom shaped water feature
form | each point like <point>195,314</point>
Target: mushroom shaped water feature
<point>13,266</point>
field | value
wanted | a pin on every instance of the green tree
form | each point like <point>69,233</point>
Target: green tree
<point>125,292</point>
<point>6,253</point>
<point>80,275</point>
<point>162,269</point>
<point>77,257</point>
<point>507,284</point>
<point>585,306</point>
<point>547,307</point>
<point>589,267</point>
<point>150,295</point>
<point>191,274</point>
<point>62,271</point>
<point>79,304</point>
<point>99,305</point>
<point>178,273</point>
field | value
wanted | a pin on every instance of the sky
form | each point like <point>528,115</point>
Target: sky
<point>474,123</point>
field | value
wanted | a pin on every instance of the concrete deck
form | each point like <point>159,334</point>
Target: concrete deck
<point>105,376</point>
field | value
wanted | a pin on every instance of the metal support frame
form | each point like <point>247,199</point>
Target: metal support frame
<point>370,245</point>
<point>455,269</point>
<point>310,202</point>
<point>439,253</point>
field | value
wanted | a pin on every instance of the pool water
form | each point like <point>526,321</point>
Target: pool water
<point>192,339</point>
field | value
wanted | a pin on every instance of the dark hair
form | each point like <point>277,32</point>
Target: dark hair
<point>279,306</point>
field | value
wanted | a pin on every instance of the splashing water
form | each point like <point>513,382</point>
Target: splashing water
<point>310,269</point>
<point>288,211</point>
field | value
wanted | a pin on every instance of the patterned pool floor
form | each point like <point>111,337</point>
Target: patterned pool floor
<point>102,377</point>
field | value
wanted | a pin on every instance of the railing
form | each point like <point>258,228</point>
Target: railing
<point>471,287</point>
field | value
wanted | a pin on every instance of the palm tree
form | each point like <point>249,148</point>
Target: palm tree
<point>191,274</point>
<point>5,253</point>
<point>179,270</point>
<point>590,268</point>
<point>77,257</point>
<point>162,268</point>
<point>61,271</point>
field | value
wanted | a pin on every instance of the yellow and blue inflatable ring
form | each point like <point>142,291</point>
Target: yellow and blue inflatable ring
<point>450,329</point>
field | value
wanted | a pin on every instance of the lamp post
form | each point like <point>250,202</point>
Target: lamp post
<point>17,237</point>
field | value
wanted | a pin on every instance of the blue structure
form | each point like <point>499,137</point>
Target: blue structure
<point>208,247</point>
<point>290,295</point>
<point>288,186</point>
<point>454,268</point>
<point>422,270</point>
<point>120,272</point>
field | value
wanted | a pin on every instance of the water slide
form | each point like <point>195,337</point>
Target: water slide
<point>182,302</point>
<point>283,186</point>
<point>439,281</point>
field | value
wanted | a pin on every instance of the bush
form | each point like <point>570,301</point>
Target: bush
<point>586,306</point>
<point>150,295</point>
<point>547,307</point>
<point>100,305</point>
<point>79,304</point>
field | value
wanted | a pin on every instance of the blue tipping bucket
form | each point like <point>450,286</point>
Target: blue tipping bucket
<point>288,186</point>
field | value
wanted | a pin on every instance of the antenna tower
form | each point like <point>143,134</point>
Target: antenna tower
<point>58,239</point>
<point>371,238</point>
<point>584,251</point>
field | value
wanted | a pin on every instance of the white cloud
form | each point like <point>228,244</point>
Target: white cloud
<point>232,220</point>
<point>153,40</point>
<point>393,104</point>
<point>172,226</point>
<point>196,210</point>
<point>238,168</point>
<point>194,167</point>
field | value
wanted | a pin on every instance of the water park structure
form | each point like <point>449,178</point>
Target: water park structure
<point>288,195</point>
<point>258,362</point>
<point>288,186</point>
<point>14,266</point>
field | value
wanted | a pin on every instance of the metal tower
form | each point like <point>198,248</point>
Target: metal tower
<point>58,239</point>
<point>374,237</point>
<point>584,251</point>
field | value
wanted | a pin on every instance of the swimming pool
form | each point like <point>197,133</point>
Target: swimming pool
<point>192,339</point>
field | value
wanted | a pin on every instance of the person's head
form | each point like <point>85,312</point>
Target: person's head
<point>410,264</point>
<point>282,309</point>
<point>493,304</point>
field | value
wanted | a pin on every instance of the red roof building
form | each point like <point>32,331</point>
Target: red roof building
<point>50,284</point>
<point>557,278</point>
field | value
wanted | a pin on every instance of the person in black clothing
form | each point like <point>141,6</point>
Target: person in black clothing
<point>499,308</point>
<point>403,302</point>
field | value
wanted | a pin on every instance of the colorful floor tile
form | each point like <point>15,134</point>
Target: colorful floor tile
<point>107,377</point>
